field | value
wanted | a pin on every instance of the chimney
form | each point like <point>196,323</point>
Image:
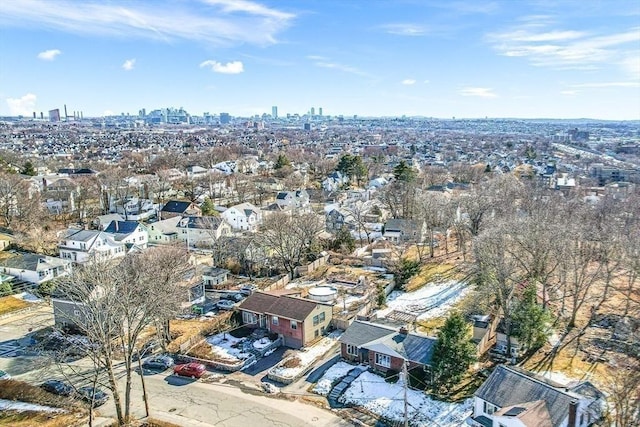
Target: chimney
<point>573,414</point>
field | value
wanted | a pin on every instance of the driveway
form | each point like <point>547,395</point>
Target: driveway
<point>266,363</point>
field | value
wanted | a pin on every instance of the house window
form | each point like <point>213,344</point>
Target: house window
<point>352,350</point>
<point>248,318</point>
<point>294,324</point>
<point>383,360</point>
<point>316,333</point>
<point>489,408</point>
<point>274,320</point>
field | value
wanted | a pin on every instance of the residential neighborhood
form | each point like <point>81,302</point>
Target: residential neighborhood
<point>393,272</point>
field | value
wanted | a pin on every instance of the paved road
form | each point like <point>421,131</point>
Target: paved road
<point>194,403</point>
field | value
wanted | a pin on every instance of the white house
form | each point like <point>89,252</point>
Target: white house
<point>163,232</point>
<point>81,246</point>
<point>35,268</point>
<point>292,199</point>
<point>513,397</point>
<point>195,171</point>
<point>128,232</point>
<point>243,217</point>
<point>202,231</point>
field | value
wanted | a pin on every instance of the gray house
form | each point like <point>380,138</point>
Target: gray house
<point>404,230</point>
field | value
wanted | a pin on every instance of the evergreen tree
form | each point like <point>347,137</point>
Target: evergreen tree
<point>453,353</point>
<point>207,208</point>
<point>28,169</point>
<point>281,162</point>
<point>403,172</point>
<point>344,241</point>
<point>352,166</point>
<point>530,320</point>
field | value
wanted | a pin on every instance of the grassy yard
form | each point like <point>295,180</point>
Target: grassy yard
<point>433,272</point>
<point>11,303</point>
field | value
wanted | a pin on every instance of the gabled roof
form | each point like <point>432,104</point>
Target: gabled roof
<point>282,306</point>
<point>386,340</point>
<point>507,387</point>
<point>360,333</point>
<point>32,262</point>
<point>122,227</point>
<point>81,235</point>
<point>200,222</point>
<point>531,414</point>
<point>400,225</point>
<point>176,206</point>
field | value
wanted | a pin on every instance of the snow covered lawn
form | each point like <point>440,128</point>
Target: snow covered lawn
<point>12,405</point>
<point>227,347</point>
<point>432,300</point>
<point>373,393</point>
<point>306,358</point>
<point>339,370</point>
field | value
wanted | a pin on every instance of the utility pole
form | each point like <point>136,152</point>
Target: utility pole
<point>405,377</point>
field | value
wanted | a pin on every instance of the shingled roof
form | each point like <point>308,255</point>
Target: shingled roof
<point>507,387</point>
<point>284,306</point>
<point>176,206</point>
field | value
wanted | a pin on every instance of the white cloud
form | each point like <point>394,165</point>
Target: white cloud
<point>411,30</point>
<point>220,22</point>
<point>233,67</point>
<point>24,106</point>
<point>408,82</point>
<point>48,55</point>
<point>565,49</point>
<point>569,92</point>
<point>324,62</point>
<point>607,84</point>
<point>129,64</point>
<point>482,92</point>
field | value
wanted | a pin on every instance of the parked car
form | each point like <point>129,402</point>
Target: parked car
<point>248,289</point>
<point>225,304</point>
<point>4,375</point>
<point>89,394</point>
<point>158,362</point>
<point>57,387</point>
<point>193,370</point>
<point>235,296</point>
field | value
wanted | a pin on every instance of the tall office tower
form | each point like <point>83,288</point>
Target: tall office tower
<point>313,111</point>
<point>320,111</point>
<point>274,112</point>
<point>54,115</point>
<point>224,118</point>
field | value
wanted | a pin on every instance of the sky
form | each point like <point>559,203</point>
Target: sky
<point>432,58</point>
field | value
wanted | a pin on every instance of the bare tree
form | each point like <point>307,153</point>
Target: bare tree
<point>13,190</point>
<point>623,386</point>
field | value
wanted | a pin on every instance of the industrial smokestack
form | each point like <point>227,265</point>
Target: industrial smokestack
<point>66,117</point>
<point>41,115</point>
<point>34,114</point>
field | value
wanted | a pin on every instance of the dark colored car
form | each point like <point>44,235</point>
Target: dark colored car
<point>158,362</point>
<point>233,296</point>
<point>96,395</point>
<point>57,387</point>
<point>248,289</point>
<point>193,370</point>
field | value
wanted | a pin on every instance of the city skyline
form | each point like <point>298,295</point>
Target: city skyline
<point>469,59</point>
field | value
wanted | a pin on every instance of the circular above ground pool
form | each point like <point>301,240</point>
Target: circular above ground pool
<point>323,293</point>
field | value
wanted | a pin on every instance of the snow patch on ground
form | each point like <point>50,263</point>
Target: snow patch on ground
<point>373,393</point>
<point>432,300</point>
<point>307,356</point>
<point>262,343</point>
<point>227,347</point>
<point>557,377</point>
<point>339,370</point>
<point>11,405</point>
<point>28,297</point>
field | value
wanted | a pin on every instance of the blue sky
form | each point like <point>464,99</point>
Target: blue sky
<point>436,58</point>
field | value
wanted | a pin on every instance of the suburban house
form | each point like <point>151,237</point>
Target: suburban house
<point>81,246</point>
<point>335,219</point>
<point>292,199</point>
<point>59,195</point>
<point>34,268</point>
<point>195,171</point>
<point>403,231</point>
<point>178,208</point>
<point>202,231</point>
<point>163,232</point>
<point>484,332</point>
<point>243,217</point>
<point>214,277</point>
<point>512,397</point>
<point>385,348</point>
<point>299,321</point>
<point>101,221</point>
<point>129,232</point>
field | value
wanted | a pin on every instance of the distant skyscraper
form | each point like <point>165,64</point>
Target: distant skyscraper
<point>274,112</point>
<point>313,111</point>
<point>320,111</point>
<point>54,115</point>
<point>225,118</point>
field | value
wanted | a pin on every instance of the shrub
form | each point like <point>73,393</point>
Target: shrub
<point>5,289</point>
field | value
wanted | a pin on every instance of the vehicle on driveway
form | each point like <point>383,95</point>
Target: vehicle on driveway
<point>234,296</point>
<point>89,394</point>
<point>248,289</point>
<point>158,362</point>
<point>225,304</point>
<point>57,387</point>
<point>193,370</point>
